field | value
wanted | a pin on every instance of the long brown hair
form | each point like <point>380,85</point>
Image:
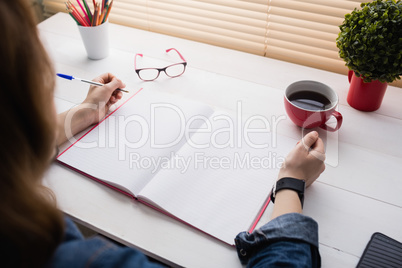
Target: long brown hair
<point>30,224</point>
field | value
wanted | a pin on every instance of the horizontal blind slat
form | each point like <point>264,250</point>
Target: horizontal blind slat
<point>343,4</point>
<point>305,16</point>
<point>130,21</point>
<point>234,7</point>
<point>303,32</point>
<point>331,54</point>
<point>314,8</point>
<point>306,59</point>
<point>315,26</point>
<point>304,24</point>
<point>300,40</point>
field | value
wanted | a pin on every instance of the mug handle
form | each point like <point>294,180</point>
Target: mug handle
<point>339,120</point>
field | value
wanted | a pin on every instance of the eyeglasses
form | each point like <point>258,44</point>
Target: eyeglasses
<point>150,74</point>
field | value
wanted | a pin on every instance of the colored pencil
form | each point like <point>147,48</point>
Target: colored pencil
<point>72,6</point>
<point>74,18</point>
<point>88,10</point>
<point>105,14</point>
<point>108,11</point>
<point>99,15</point>
<point>77,15</point>
<point>83,11</point>
<point>94,16</point>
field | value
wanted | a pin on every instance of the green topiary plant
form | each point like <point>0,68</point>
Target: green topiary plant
<point>370,41</point>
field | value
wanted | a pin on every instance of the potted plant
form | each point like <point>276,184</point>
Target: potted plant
<point>370,42</point>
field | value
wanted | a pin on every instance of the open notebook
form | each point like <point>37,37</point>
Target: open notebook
<point>200,166</point>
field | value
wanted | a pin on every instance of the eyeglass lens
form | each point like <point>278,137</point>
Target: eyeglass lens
<point>171,71</point>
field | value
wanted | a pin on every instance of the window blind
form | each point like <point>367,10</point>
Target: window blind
<point>297,31</point>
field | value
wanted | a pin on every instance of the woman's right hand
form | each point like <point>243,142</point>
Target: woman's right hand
<point>306,160</point>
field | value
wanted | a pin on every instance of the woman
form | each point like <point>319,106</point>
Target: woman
<point>33,231</point>
<point>290,239</point>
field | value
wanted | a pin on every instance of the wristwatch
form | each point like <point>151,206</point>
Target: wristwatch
<point>292,184</point>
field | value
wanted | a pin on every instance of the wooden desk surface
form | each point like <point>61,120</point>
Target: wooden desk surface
<point>358,194</point>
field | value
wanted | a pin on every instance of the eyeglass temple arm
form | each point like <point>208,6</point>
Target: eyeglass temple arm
<point>181,56</point>
<point>135,60</point>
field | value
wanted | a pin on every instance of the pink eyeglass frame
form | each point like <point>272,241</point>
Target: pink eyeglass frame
<point>160,69</point>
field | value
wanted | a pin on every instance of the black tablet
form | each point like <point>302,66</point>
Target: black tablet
<point>381,251</point>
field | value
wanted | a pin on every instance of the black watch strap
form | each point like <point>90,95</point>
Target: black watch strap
<point>291,184</point>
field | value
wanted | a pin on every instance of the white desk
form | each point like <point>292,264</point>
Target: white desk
<point>357,195</point>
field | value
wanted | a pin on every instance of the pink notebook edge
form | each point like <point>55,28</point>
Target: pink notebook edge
<point>255,222</point>
<point>180,220</point>
<point>97,180</point>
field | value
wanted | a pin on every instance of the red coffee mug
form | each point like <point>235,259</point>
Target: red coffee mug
<point>308,118</point>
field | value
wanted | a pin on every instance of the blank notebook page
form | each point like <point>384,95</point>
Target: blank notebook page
<point>112,151</point>
<point>220,200</point>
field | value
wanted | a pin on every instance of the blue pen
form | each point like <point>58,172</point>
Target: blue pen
<point>70,77</point>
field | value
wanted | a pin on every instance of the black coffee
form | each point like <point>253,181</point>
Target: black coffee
<point>310,100</point>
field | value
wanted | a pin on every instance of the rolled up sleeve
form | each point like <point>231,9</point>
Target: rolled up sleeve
<point>288,239</point>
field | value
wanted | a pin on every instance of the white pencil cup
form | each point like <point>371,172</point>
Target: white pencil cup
<point>96,40</point>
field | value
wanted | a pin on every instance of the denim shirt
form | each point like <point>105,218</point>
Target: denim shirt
<point>76,251</point>
<point>290,240</point>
